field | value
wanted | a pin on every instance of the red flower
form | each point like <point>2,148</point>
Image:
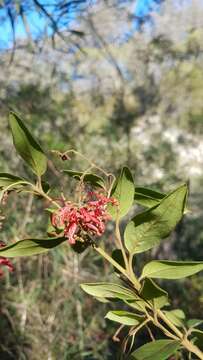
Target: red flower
<point>90,218</point>
<point>5,261</point>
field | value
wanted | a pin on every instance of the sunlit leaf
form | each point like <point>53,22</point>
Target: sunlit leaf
<point>123,190</point>
<point>28,247</point>
<point>27,147</point>
<point>165,269</point>
<point>108,290</point>
<point>147,229</point>
<point>147,197</point>
<point>124,317</point>
<point>156,350</point>
<point>176,316</point>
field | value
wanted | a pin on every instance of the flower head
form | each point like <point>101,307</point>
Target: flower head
<point>90,218</point>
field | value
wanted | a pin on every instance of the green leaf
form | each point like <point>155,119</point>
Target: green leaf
<point>154,294</point>
<point>156,350</point>
<point>108,290</point>
<point>123,190</point>
<point>28,247</point>
<point>137,304</point>
<point>147,229</point>
<point>165,269</point>
<point>124,317</point>
<point>102,300</point>
<point>198,339</point>
<point>176,316</point>
<point>147,197</point>
<point>192,323</point>
<point>27,146</point>
<point>10,180</point>
<point>93,179</point>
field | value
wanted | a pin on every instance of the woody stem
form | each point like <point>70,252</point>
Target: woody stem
<point>177,334</point>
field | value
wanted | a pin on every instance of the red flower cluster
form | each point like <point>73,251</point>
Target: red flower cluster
<point>5,261</point>
<point>89,218</point>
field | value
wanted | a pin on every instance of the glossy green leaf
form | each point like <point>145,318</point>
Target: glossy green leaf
<point>123,190</point>
<point>108,290</point>
<point>152,293</point>
<point>27,146</point>
<point>147,229</point>
<point>165,269</point>
<point>28,247</point>
<point>93,179</point>
<point>124,317</point>
<point>10,180</point>
<point>156,350</point>
<point>176,316</point>
<point>147,197</point>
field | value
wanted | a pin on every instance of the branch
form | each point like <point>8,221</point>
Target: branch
<point>54,23</point>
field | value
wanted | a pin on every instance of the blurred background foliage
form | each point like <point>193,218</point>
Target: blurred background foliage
<point>122,89</point>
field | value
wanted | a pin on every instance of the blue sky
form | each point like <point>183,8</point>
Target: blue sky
<point>38,24</point>
<point>143,7</point>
